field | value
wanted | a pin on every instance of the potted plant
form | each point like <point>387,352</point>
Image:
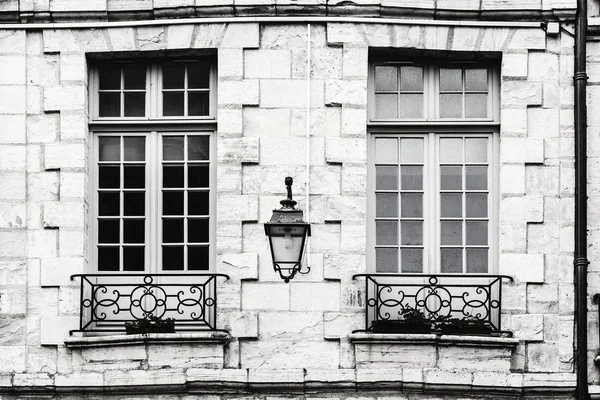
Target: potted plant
<point>411,320</point>
<point>151,324</point>
<point>468,325</point>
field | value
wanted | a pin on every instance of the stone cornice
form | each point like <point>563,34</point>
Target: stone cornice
<point>159,338</point>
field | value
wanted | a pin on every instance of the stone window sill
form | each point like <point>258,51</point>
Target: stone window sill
<point>399,338</point>
<point>218,337</point>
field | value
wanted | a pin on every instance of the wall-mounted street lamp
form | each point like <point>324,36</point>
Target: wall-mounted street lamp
<point>287,234</point>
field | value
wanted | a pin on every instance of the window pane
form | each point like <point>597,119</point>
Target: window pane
<point>451,178</point>
<point>386,260</point>
<point>412,232</point>
<point>108,231</point>
<point>386,151</point>
<point>411,79</point>
<point>172,104</point>
<point>451,105</point>
<point>173,75</point>
<point>172,230</point>
<point>198,147</point>
<point>412,178</point>
<point>476,79</point>
<point>412,260</point>
<point>173,147</point>
<point>451,151</point>
<point>109,177</point>
<point>133,231</point>
<point>134,176</point>
<point>386,205</point>
<point>477,233</point>
<point>108,258</point>
<point>198,231</point>
<point>476,105</point>
<point>198,103</point>
<point>134,203</point>
<point>451,80</point>
<point>110,148</point>
<point>198,176</point>
<point>476,178</point>
<point>451,260</point>
<point>386,232</point>
<point>477,149</point>
<point>110,77</point>
<point>198,203</point>
<point>451,205</point>
<point>411,105</point>
<point>173,176</point>
<point>109,104</point>
<point>172,203</point>
<point>477,261</point>
<point>411,205</point>
<point>476,205</point>
<point>411,151</point>
<point>135,104</point>
<point>386,105</point>
<point>108,203</point>
<point>451,232</point>
<point>134,148</point>
<point>386,78</point>
<point>386,178</point>
<point>133,258</point>
<point>134,76</point>
<point>172,258</point>
<point>198,76</point>
<point>198,258</point>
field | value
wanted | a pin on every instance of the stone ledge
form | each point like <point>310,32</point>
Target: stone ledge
<point>380,338</point>
<point>158,338</point>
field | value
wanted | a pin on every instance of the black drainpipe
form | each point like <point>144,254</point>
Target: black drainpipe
<point>580,261</point>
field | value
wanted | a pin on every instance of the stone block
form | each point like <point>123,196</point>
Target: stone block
<point>384,375</point>
<point>73,67</point>
<point>171,376</point>
<point>543,238</point>
<point>42,128</point>
<point>216,375</point>
<point>513,122</point>
<point>267,122</point>
<point>497,379</point>
<point>33,380</point>
<point>340,325</point>
<point>110,354</point>
<point>355,62</point>
<point>238,208</point>
<point>542,122</point>
<point>42,243</point>
<point>231,63</point>
<point>122,39</point>
<point>239,324</point>
<point>354,180</point>
<point>522,150</point>
<point>269,375</point>
<point>343,266</point>
<point>58,271</point>
<point>353,237</point>
<point>275,93</point>
<point>54,330</point>
<point>71,243</point>
<point>345,150</point>
<point>12,129</point>
<point>323,122</point>
<point>328,375</point>
<point>12,158</point>
<point>151,37</point>
<point>515,65</point>
<point>63,155</point>
<point>263,296</point>
<point>531,39</point>
<point>290,151</point>
<point>344,208</point>
<point>527,268</point>
<point>523,93</point>
<point>543,66</point>
<point>239,266</point>
<point>244,92</point>
<point>315,296</point>
<point>12,41</point>
<point>281,355</point>
<point>243,35</point>
<point>12,69</point>
<point>185,355</point>
<point>345,92</point>
<point>478,358</point>
<point>80,379</point>
<point>64,214</point>
<point>326,238</point>
<point>72,185</point>
<point>543,357</point>
<point>291,326</point>
<point>354,122</point>
<point>542,299</point>
<point>540,180</point>
<point>13,99</point>
<point>347,34</point>
<point>180,37</point>
<point>267,64</point>
<point>395,355</point>
<point>73,125</point>
<point>232,126</point>
<point>13,331</point>
<point>43,186</point>
<point>441,376</point>
<point>13,357</point>
<point>325,63</point>
<point>13,185</point>
<point>512,179</point>
<point>58,98</point>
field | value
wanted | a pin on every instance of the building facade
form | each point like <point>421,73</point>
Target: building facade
<point>143,145</point>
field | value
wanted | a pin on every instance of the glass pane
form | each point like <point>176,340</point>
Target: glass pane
<point>411,205</point>
<point>476,205</point>
<point>134,176</point>
<point>411,105</point>
<point>451,260</point>
<point>134,76</point>
<point>386,205</point>
<point>411,151</point>
<point>386,105</point>
<point>134,203</point>
<point>110,77</point>
<point>133,231</point>
<point>411,79</point>
<point>198,176</point>
<point>451,205</point>
<point>451,232</point>
<point>198,76</point>
<point>109,177</point>
<point>172,230</point>
<point>110,148</point>
<point>108,258</point>
<point>172,258</point>
<point>386,232</point>
<point>386,178</point>
<point>476,79</point>
<point>198,258</point>
<point>476,105</point>
<point>134,148</point>
<point>412,178</point>
<point>198,103</point>
<point>172,104</point>
<point>133,258</point>
<point>198,203</point>
<point>477,261</point>
<point>173,147</point>
<point>476,178</point>
<point>198,231</point>
<point>109,104</point>
<point>451,150</point>
<point>412,232</point>
<point>412,260</point>
<point>108,203</point>
<point>386,151</point>
<point>173,176</point>
<point>173,75</point>
<point>477,150</point>
<point>477,233</point>
<point>198,147</point>
<point>135,104</point>
<point>451,105</point>
<point>450,80</point>
<point>386,260</point>
<point>172,203</point>
<point>108,231</point>
<point>451,178</point>
<point>386,78</point>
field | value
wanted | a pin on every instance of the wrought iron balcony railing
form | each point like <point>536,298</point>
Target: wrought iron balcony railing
<point>108,301</point>
<point>443,303</point>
